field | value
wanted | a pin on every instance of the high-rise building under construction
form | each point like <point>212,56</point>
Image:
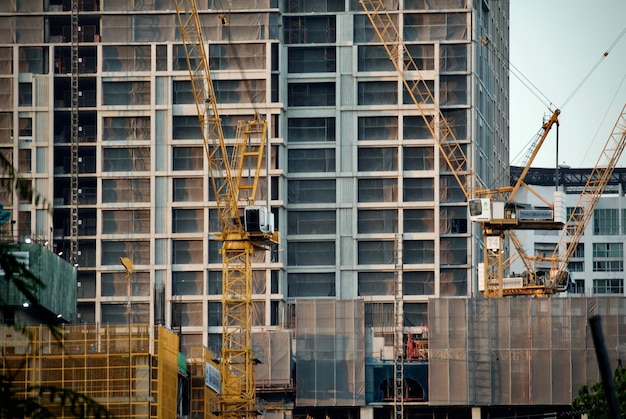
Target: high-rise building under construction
<point>97,113</point>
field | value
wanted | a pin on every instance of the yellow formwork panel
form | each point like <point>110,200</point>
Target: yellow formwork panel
<point>103,362</point>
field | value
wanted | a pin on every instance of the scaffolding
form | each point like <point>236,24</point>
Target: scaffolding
<point>131,374</point>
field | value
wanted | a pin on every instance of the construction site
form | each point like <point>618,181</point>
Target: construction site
<point>294,210</point>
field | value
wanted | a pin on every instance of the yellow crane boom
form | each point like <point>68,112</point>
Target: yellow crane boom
<point>243,226</point>
<point>586,204</point>
<point>454,151</point>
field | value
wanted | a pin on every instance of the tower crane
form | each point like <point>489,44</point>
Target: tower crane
<point>494,208</point>
<point>244,227</point>
<point>557,278</point>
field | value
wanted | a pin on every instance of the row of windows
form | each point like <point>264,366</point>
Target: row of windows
<point>299,130</point>
<point>311,191</point>
<point>607,257</point>
<point>453,251</point>
<point>323,59</point>
<point>453,91</point>
<point>452,282</point>
<point>381,159</point>
<point>311,29</point>
<point>245,56</point>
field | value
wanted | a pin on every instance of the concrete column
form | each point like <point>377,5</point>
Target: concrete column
<point>475,412</point>
<point>367,413</point>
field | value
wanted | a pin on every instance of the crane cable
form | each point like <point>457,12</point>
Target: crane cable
<point>542,97</point>
<point>595,66</point>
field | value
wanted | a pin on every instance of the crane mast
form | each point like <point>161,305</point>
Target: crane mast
<point>244,228</point>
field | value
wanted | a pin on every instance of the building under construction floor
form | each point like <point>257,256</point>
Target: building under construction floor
<point>479,357</point>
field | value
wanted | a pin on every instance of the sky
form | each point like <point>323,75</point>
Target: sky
<point>554,44</point>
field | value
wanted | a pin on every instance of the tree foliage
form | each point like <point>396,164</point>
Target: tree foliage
<point>592,399</point>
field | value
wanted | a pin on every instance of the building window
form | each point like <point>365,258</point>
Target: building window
<point>416,128</point>
<point>418,158</point>
<point>415,314</point>
<point>319,284</point>
<point>376,252</point>
<point>579,287</point>
<point>310,29</point>
<point>136,128</point>
<point>608,257</point>
<point>423,55</point>
<point>311,222</point>
<point>187,158</point>
<point>374,128</point>
<point>25,94</point>
<point>435,26</point>
<point>418,189</point>
<point>377,221</point>
<point>311,94</point>
<point>311,129</point>
<point>237,56</point>
<point>186,128</point>
<point>126,222</point>
<point>306,6</point>
<point>312,60</point>
<point>311,191</point>
<point>453,251</point>
<point>374,58</point>
<point>378,190</point>
<point>188,189</point>
<point>126,159</point>
<point>186,314</point>
<point>378,93</point>
<point>126,93</point>
<point>544,250</point>
<point>423,92</point>
<point>606,222</point>
<point>363,30</point>
<point>239,91</point>
<point>453,282</point>
<point>125,190</point>
<point>186,251</point>
<point>187,220</point>
<point>418,251</point>
<point>378,314</point>
<point>453,90</point>
<point>576,266</point>
<point>419,220</point>
<point>316,160</point>
<point>376,283</point>
<point>377,159</point>
<point>311,253</point>
<point>418,282</point>
<point>608,286</point>
<point>214,314</point>
<point>453,58</point>
<point>187,283</point>
<point>453,220</point>
<point>25,128</point>
<point>126,58</point>
<point>138,251</point>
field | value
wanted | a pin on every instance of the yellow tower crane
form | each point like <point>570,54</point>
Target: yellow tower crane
<point>453,151</point>
<point>244,227</point>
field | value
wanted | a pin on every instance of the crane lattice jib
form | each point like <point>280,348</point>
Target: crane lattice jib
<point>590,196</point>
<point>508,192</point>
<point>441,131</point>
<point>237,398</point>
<point>189,26</point>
